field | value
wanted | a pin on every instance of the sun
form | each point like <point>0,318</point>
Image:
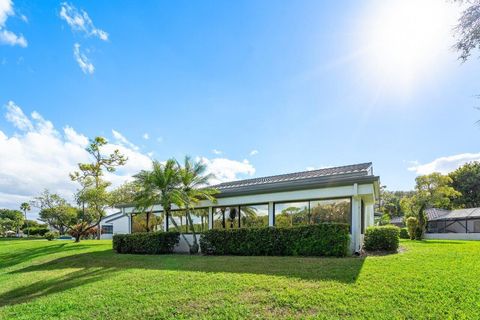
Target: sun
<point>402,40</point>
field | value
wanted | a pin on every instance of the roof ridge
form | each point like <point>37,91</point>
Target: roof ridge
<point>368,164</point>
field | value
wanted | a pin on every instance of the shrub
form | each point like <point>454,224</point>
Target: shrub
<point>36,231</point>
<point>146,242</point>
<point>384,238</point>
<point>328,239</point>
<point>412,225</point>
<point>404,233</point>
<point>50,235</point>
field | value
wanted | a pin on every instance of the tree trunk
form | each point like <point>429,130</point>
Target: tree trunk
<point>176,227</point>
<point>77,237</point>
<point>148,221</point>
<point>194,247</point>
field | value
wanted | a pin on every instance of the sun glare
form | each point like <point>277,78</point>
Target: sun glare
<point>403,39</point>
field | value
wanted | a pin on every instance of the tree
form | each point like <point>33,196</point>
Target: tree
<point>466,180</point>
<point>55,211</point>
<point>25,206</point>
<point>93,197</point>
<point>163,184</point>
<point>11,219</point>
<point>431,191</point>
<point>468,30</point>
<point>193,188</point>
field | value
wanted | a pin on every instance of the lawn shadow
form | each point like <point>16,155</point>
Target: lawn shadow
<point>14,257</point>
<point>98,265</point>
<point>50,286</point>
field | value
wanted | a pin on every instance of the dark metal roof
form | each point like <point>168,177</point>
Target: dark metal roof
<point>299,180</point>
<point>441,214</point>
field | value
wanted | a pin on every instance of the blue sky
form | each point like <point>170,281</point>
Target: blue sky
<point>304,84</point>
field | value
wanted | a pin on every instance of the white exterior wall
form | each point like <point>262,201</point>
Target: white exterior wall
<point>357,193</point>
<point>120,226</point>
<point>453,236</point>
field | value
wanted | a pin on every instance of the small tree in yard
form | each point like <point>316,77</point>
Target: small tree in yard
<point>412,225</point>
<point>93,197</point>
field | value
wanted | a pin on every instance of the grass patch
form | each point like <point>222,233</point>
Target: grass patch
<point>64,280</point>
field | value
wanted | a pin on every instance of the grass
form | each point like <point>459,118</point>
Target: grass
<point>64,280</point>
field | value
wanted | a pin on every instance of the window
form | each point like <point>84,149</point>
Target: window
<point>139,222</point>
<point>252,216</point>
<point>313,212</point>
<point>291,214</point>
<point>334,210</point>
<point>226,218</point>
<point>179,218</point>
<point>199,220</point>
<point>107,229</point>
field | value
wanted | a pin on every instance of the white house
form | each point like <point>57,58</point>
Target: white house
<point>340,194</point>
<point>117,223</point>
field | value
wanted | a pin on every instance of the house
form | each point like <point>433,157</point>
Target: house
<point>397,221</point>
<point>116,223</point>
<point>460,224</point>
<point>344,194</point>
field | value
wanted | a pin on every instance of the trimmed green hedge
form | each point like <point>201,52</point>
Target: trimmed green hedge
<point>146,242</point>
<point>328,239</point>
<point>384,238</point>
<point>404,233</point>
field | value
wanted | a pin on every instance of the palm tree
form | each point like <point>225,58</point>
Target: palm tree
<point>162,184</point>
<point>26,207</point>
<point>193,188</point>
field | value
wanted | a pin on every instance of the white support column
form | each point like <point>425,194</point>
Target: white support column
<point>271,216</point>
<point>210,218</point>
<point>356,223</point>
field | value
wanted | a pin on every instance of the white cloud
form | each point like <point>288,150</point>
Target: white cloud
<point>78,20</point>
<point>217,152</point>
<point>120,139</point>
<point>16,116</point>
<point>6,36</point>
<point>146,136</point>
<point>444,164</point>
<point>310,168</point>
<point>39,156</point>
<point>82,60</point>
<point>253,152</point>
<point>226,169</point>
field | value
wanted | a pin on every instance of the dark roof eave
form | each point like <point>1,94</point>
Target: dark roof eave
<point>321,182</point>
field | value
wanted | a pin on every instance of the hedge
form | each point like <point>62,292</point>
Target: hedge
<point>328,239</point>
<point>384,238</point>
<point>404,233</point>
<point>146,242</point>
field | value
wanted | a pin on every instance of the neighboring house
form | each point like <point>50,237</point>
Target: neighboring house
<point>117,223</point>
<point>397,221</point>
<point>453,224</point>
<point>341,194</point>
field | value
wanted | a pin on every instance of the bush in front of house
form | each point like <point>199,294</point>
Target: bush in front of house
<point>146,242</point>
<point>51,235</point>
<point>404,233</point>
<point>327,239</point>
<point>383,238</point>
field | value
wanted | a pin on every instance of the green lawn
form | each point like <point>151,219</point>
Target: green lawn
<point>64,280</point>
